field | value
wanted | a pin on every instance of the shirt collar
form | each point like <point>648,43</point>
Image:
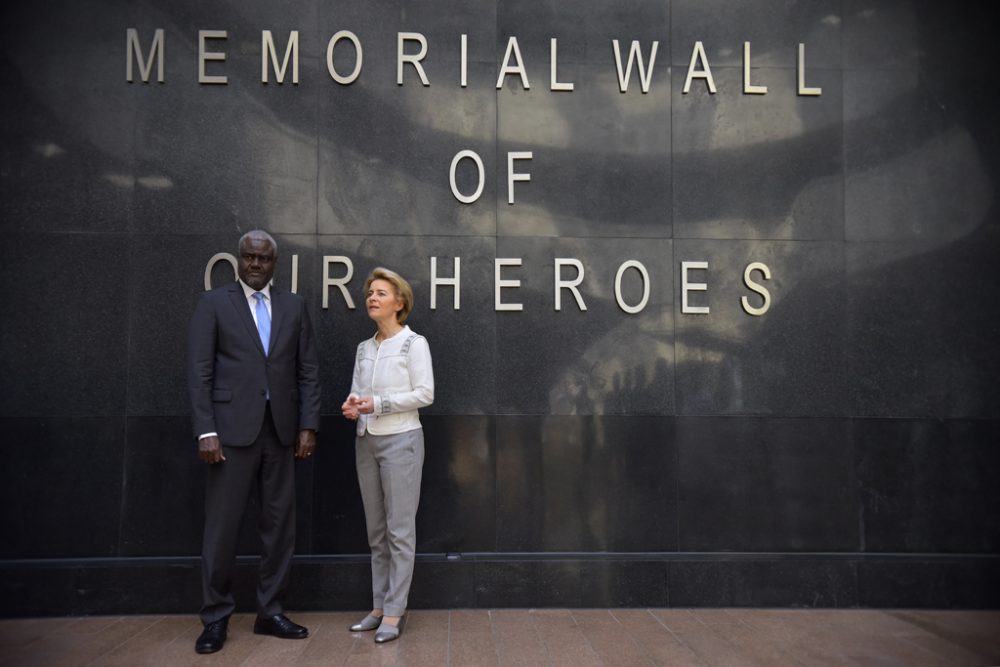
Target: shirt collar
<point>249,291</point>
<point>405,329</point>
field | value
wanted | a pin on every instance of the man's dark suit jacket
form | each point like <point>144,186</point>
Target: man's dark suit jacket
<point>229,375</point>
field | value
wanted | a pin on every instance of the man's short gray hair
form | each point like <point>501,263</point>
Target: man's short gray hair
<point>258,234</point>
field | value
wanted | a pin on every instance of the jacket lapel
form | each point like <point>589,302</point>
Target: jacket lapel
<point>242,306</point>
<point>279,314</point>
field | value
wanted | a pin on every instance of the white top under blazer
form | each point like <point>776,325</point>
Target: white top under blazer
<point>397,374</point>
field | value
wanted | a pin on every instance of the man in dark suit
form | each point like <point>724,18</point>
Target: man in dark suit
<point>253,375</point>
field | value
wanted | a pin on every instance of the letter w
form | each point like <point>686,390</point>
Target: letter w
<point>634,53</point>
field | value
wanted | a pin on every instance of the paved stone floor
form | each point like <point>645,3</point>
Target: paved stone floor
<point>577,637</point>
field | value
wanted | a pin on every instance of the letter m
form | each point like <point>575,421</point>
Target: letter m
<point>145,64</point>
<point>268,51</point>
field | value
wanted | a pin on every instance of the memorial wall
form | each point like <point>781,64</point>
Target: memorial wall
<point>711,289</point>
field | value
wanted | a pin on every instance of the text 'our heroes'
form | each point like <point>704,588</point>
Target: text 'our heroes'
<point>569,274</point>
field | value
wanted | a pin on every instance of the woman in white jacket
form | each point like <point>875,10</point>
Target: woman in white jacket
<point>392,379</point>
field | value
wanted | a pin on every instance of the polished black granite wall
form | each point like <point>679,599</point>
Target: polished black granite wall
<point>840,450</point>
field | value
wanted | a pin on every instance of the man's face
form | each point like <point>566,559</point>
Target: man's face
<point>255,265</point>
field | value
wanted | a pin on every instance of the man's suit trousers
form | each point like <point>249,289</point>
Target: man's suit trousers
<point>270,467</point>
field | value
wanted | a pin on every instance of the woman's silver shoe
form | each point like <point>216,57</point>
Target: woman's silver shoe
<point>367,623</point>
<point>388,633</point>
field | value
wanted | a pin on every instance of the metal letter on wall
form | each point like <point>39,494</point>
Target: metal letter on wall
<point>803,90</point>
<point>634,53</point>
<point>756,287</point>
<point>215,259</point>
<point>203,55</point>
<point>134,52</point>
<point>339,282</point>
<point>512,175</point>
<point>512,49</point>
<point>455,281</point>
<point>749,88</point>
<point>687,287</point>
<point>412,58</point>
<point>638,266</point>
<point>350,36</point>
<point>698,53</point>
<point>472,155</point>
<point>268,52</point>
<point>498,283</point>
<point>571,285</point>
<point>554,83</point>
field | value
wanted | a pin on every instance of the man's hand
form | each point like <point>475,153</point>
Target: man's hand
<point>306,444</point>
<point>210,450</point>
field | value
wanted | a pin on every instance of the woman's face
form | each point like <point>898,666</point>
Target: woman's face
<point>382,301</point>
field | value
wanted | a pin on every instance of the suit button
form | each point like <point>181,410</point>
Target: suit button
<point>263,392</point>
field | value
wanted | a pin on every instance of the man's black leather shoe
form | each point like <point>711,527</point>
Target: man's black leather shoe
<point>212,637</point>
<point>279,626</point>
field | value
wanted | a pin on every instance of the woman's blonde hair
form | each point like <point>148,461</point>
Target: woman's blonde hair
<point>403,290</point>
